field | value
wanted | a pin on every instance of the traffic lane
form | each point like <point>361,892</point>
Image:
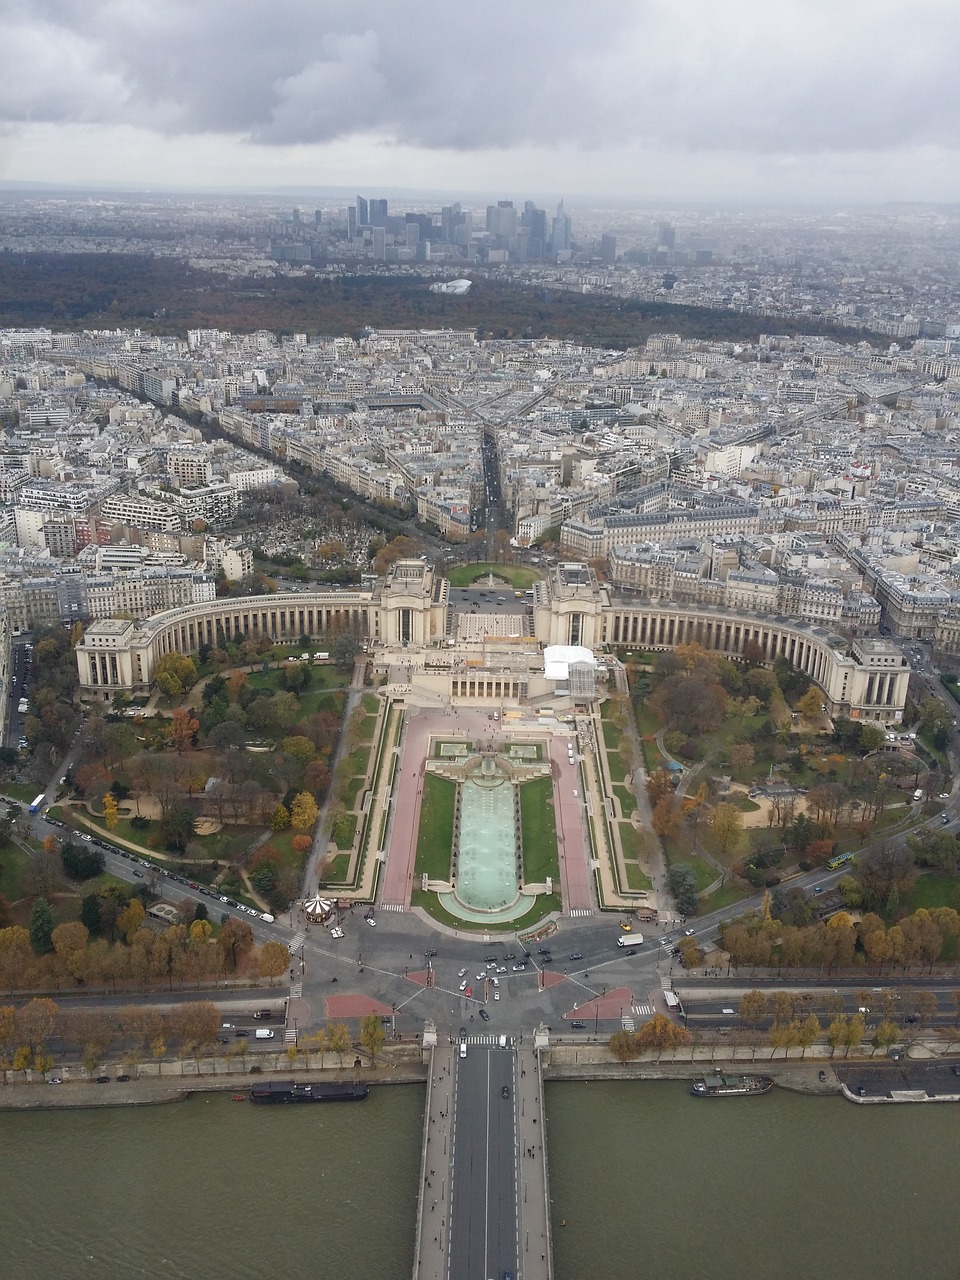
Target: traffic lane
<point>483,1233</point>
<point>132,868</point>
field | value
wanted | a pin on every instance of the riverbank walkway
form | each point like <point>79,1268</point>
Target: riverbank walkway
<point>484,1193</point>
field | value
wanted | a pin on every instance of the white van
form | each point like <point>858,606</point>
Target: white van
<point>263,1033</point>
<point>463,1049</point>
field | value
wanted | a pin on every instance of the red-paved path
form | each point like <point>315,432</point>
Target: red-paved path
<point>615,1002</point>
<point>549,978</point>
<point>575,878</point>
<point>355,1006</point>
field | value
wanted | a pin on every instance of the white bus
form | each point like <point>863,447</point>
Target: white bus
<point>630,940</point>
<point>672,1001</point>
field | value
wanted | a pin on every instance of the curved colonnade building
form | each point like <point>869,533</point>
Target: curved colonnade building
<point>406,613</point>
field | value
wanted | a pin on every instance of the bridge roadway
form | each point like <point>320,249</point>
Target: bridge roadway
<point>483,1185</point>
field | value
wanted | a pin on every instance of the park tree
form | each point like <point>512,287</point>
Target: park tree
<point>372,1035</point>
<point>937,849</point>
<point>35,1023</point>
<point>303,812</point>
<point>623,1045</point>
<point>131,918</point>
<point>886,1034</point>
<point>659,786</point>
<point>884,871</point>
<point>201,930</point>
<point>273,960</point>
<point>344,650</point>
<point>280,818</point>
<point>298,747</point>
<point>741,756</point>
<point>82,862</point>
<point>667,817</point>
<point>338,1038</point>
<point>235,940</point>
<point>727,828</point>
<point>809,1031</point>
<point>182,729</point>
<point>41,927</point>
<point>752,1008</point>
<point>111,811</point>
<point>175,673</point>
<point>811,702</point>
<point>661,1033</point>
<point>682,880</point>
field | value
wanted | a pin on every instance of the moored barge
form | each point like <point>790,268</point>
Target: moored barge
<point>294,1091</point>
<point>724,1086</point>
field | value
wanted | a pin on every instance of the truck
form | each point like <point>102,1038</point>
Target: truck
<point>630,940</point>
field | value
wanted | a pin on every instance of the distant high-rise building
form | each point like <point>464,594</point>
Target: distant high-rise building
<point>379,244</point>
<point>363,212</point>
<point>561,231</point>
<point>378,213</point>
<point>608,249</point>
<point>296,217</point>
<point>317,217</point>
<point>667,235</point>
<point>450,219</point>
<point>413,234</point>
<point>352,222</point>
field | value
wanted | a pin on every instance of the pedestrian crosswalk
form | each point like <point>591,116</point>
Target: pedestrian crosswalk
<point>296,942</point>
<point>296,990</point>
<point>627,1023</point>
<point>290,1035</point>
<point>580,911</point>
<point>482,1040</point>
<point>392,906</point>
<point>643,1010</point>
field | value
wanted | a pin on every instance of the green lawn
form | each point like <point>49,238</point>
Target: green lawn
<point>435,837</point>
<point>617,766</point>
<point>652,758</point>
<point>520,579</point>
<point>538,827</point>
<point>544,905</point>
<point>320,678</point>
<point>741,802</point>
<point>351,790</point>
<point>344,829</point>
<point>731,892</point>
<point>632,841</point>
<point>636,880</point>
<point>336,869</point>
<point>370,703</point>
<point>628,801</point>
<point>13,863</point>
<point>358,761</point>
<point>222,846</point>
<point>931,891</point>
<point>25,791</point>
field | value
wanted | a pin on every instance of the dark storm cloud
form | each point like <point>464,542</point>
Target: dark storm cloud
<point>763,75</point>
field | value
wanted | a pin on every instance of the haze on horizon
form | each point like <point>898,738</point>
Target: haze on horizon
<point>747,100</point>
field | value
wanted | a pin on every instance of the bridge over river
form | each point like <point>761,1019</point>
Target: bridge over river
<point>484,1198</point>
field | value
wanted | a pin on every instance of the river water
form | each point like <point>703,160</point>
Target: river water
<point>648,1181</point>
<point>653,1182</point>
<point>213,1190</point>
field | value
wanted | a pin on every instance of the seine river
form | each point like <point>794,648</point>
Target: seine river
<point>647,1180</point>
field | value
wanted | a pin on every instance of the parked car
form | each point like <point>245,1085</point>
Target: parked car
<point>484,1015</point>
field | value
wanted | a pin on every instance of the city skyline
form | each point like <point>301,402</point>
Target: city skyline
<point>708,102</point>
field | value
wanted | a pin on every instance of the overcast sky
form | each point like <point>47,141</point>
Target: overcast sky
<point>649,99</point>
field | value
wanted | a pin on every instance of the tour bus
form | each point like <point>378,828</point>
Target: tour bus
<point>630,940</point>
<point>839,860</point>
<point>672,1001</point>
<point>35,807</point>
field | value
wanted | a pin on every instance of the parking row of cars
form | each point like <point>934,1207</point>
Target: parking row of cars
<point>170,875</point>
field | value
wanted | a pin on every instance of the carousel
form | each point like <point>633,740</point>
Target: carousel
<point>318,910</point>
